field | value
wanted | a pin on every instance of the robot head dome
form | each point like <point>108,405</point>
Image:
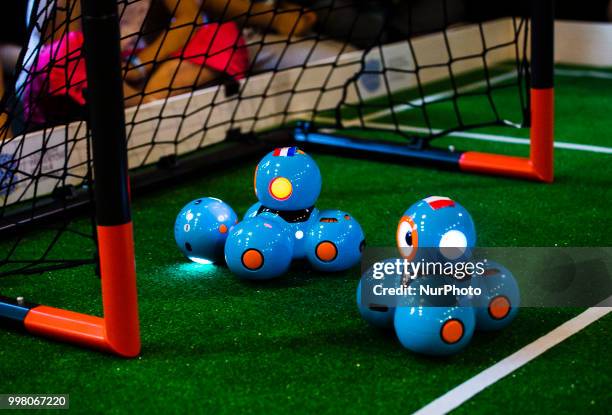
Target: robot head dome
<point>436,224</point>
<point>287,179</point>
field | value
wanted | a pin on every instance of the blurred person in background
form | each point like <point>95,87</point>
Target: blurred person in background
<point>174,46</point>
<point>169,47</point>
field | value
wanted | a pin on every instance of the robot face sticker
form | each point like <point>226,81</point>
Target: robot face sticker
<point>280,188</point>
<point>407,237</point>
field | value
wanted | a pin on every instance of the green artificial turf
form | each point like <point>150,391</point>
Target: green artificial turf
<point>297,344</point>
<point>557,380</point>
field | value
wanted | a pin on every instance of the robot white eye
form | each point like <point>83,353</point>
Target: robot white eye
<point>407,237</point>
<point>453,244</point>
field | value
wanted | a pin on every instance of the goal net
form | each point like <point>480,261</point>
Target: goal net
<point>206,81</point>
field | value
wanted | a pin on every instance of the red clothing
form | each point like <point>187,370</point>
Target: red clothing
<point>218,46</point>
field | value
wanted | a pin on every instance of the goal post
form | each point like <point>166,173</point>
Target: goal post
<point>537,166</point>
<point>118,330</point>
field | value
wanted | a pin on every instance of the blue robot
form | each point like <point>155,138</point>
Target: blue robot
<point>436,229</point>
<point>201,229</point>
<point>335,242</point>
<point>376,308</point>
<point>287,184</point>
<point>259,248</point>
<point>434,325</point>
<point>500,299</point>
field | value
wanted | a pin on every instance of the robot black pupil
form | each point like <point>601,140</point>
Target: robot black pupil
<point>409,238</point>
<point>197,202</point>
<point>188,246</point>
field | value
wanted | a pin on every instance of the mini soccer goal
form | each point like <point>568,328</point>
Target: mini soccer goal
<point>41,175</point>
<point>407,94</point>
<point>165,88</point>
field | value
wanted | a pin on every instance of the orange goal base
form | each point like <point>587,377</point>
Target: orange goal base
<point>118,331</point>
<point>539,165</point>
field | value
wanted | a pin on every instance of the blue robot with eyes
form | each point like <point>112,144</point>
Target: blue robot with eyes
<point>435,229</point>
<point>284,225</point>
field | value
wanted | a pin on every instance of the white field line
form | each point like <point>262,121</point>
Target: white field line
<point>583,73</point>
<point>578,73</point>
<point>465,391</point>
<point>481,137</point>
<point>356,122</point>
<point>434,97</point>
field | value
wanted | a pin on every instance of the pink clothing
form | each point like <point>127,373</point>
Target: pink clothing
<point>59,71</point>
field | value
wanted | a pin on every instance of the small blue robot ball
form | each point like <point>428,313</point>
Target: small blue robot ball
<point>500,299</point>
<point>201,228</point>
<point>375,306</point>
<point>436,225</point>
<point>287,179</point>
<point>427,327</point>
<point>335,242</point>
<point>259,248</point>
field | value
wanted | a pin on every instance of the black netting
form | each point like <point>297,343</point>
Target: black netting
<point>196,69</point>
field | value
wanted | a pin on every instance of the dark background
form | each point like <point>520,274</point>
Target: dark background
<point>408,18</point>
<point>12,22</point>
<point>13,29</point>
